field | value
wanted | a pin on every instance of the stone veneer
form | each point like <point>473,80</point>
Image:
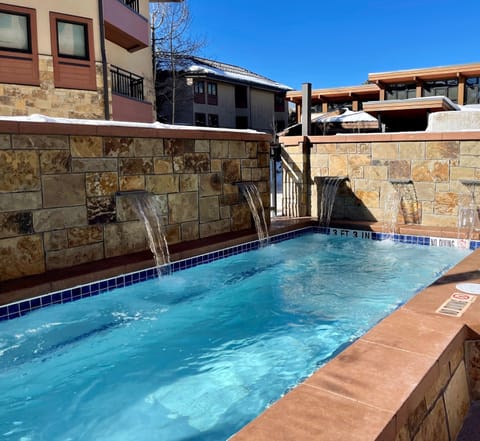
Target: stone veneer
<point>17,100</point>
<point>435,162</point>
<point>62,199</point>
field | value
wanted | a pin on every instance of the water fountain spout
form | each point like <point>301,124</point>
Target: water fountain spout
<point>471,185</point>
<point>327,187</point>
<point>408,200</point>
<point>468,212</point>
<point>149,210</point>
<point>254,200</point>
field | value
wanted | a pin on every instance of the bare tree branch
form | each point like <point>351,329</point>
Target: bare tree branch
<point>171,43</point>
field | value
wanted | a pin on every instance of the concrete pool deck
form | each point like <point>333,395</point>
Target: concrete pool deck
<point>403,380</point>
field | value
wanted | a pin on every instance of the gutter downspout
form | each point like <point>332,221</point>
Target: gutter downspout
<point>106,98</point>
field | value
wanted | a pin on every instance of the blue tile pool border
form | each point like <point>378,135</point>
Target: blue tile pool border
<point>22,307</point>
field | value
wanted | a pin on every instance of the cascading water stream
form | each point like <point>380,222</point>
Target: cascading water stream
<point>150,212</point>
<point>327,187</point>
<point>252,196</point>
<point>408,200</point>
<point>468,212</point>
<point>390,213</point>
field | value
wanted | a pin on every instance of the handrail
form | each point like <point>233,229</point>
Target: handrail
<point>132,4</point>
<point>126,83</point>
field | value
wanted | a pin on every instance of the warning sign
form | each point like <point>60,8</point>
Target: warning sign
<point>457,304</point>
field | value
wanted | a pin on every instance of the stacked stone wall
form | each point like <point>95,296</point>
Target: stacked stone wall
<point>436,163</point>
<point>18,100</point>
<point>64,190</point>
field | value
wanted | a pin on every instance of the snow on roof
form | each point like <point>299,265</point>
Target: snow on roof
<point>103,122</point>
<point>470,108</point>
<point>199,65</point>
<point>347,116</point>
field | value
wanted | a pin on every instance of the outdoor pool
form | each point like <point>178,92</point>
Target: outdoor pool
<point>199,353</point>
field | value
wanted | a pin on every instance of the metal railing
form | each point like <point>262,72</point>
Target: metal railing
<point>132,4</point>
<point>126,83</point>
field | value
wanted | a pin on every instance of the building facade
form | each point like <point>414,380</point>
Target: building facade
<point>214,94</point>
<point>89,60</point>
<point>402,100</point>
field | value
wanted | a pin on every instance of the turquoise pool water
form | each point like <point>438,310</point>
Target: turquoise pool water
<point>199,353</point>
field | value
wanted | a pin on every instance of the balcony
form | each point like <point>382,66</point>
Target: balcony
<point>128,97</point>
<point>126,83</point>
<point>124,25</point>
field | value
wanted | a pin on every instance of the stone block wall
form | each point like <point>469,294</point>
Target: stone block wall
<point>438,407</point>
<point>64,189</point>
<point>436,163</point>
<point>18,100</point>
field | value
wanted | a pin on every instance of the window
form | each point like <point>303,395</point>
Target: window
<point>241,101</point>
<point>400,91</point>
<point>448,88</point>
<point>15,32</point>
<point>212,97</point>
<point>472,91</point>
<point>18,45</point>
<point>212,120</point>
<point>332,106</point>
<point>72,50</point>
<point>72,40</point>
<point>199,92</point>
<point>241,122</point>
<point>200,119</point>
<point>279,103</point>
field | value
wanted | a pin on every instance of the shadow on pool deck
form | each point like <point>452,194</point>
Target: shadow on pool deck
<point>471,427</point>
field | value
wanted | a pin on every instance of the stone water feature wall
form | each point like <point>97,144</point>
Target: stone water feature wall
<point>436,163</point>
<point>64,189</point>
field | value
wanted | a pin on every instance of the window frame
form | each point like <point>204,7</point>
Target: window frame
<point>433,87</point>
<point>471,94</point>
<point>29,33</point>
<point>394,91</point>
<point>212,93</point>
<point>86,57</point>
<point>279,102</point>
<point>73,72</point>
<point>19,66</point>
<point>241,97</point>
<point>200,119</point>
<point>199,96</point>
<point>213,120</point>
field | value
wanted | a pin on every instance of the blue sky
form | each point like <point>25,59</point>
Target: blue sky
<point>336,43</point>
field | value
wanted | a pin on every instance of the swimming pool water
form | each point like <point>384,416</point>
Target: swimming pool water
<point>199,353</point>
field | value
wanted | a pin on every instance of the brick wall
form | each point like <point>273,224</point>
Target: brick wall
<point>64,189</point>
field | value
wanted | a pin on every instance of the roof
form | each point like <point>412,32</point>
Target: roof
<point>424,104</point>
<point>197,66</point>
<point>346,92</point>
<point>425,74</point>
